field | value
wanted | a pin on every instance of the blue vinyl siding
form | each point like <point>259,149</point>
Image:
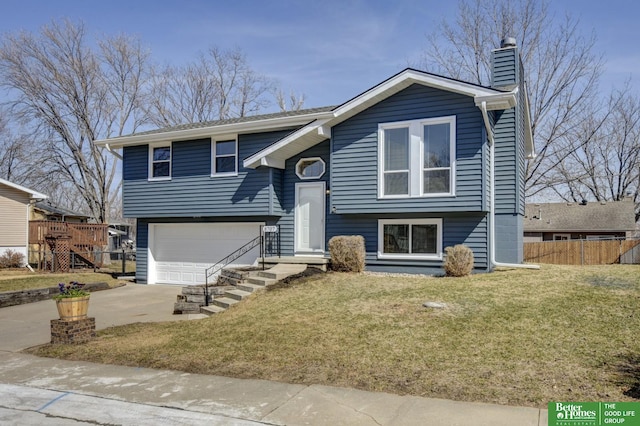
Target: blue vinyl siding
<point>142,243</point>
<point>506,167</point>
<point>354,171</point>
<point>289,180</point>
<point>510,162</point>
<point>192,192</point>
<point>504,73</point>
<point>468,229</point>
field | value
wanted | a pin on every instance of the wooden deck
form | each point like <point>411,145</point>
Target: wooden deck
<point>82,239</point>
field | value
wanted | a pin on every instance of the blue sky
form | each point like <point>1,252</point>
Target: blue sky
<point>329,50</point>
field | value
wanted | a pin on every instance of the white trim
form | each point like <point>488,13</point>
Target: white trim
<point>213,158</point>
<point>407,256</point>
<point>323,187</point>
<point>152,275</point>
<point>31,192</point>
<point>310,129</point>
<point>307,159</point>
<point>495,99</point>
<point>410,76</point>
<point>214,131</point>
<point>151,147</point>
<point>416,155</point>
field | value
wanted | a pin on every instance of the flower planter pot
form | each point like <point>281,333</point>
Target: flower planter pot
<point>73,308</point>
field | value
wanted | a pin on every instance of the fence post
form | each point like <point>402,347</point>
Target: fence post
<point>582,252</point>
<point>124,263</point>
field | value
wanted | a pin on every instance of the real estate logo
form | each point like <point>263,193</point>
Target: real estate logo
<point>576,414</point>
<point>594,413</point>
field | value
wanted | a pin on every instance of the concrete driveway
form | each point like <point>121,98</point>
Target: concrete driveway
<point>28,325</point>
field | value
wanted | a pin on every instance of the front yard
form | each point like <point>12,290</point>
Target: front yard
<point>517,337</point>
<point>23,279</point>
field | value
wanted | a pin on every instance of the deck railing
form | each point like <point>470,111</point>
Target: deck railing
<point>81,234</point>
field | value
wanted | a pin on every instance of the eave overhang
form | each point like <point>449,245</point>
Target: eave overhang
<point>319,130</point>
<point>271,124</point>
<point>32,194</point>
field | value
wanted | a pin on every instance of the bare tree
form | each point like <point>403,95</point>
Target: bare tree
<point>604,155</point>
<point>68,95</point>
<point>292,102</point>
<point>561,70</point>
<point>218,85</point>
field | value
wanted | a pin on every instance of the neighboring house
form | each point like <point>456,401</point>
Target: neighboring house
<point>415,164</point>
<point>579,221</point>
<point>15,203</point>
<point>46,210</point>
<point>119,238</point>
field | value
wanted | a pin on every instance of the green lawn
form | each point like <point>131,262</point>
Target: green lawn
<point>517,337</point>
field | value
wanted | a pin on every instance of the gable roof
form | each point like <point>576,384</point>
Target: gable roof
<point>616,216</point>
<point>31,192</point>
<point>263,122</point>
<point>314,124</point>
<point>315,132</point>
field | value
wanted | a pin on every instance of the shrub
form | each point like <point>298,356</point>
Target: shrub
<point>11,259</point>
<point>347,253</point>
<point>459,261</point>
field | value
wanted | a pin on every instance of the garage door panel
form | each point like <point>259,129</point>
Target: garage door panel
<point>182,252</point>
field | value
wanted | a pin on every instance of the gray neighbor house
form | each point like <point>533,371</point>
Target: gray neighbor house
<point>417,163</point>
<point>579,221</point>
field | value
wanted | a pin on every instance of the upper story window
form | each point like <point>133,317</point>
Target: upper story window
<point>310,168</point>
<point>417,158</point>
<point>160,162</point>
<point>224,158</point>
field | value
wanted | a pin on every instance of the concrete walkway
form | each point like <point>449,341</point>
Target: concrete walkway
<point>46,391</point>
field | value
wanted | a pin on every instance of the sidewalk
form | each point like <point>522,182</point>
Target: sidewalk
<point>47,391</point>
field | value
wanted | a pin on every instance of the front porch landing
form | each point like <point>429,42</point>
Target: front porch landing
<point>319,262</point>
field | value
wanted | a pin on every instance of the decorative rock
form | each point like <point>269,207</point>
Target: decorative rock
<point>434,305</point>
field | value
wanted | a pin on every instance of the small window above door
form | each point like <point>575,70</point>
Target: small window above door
<point>310,168</point>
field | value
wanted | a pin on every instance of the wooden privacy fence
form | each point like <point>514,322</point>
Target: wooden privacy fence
<point>583,252</point>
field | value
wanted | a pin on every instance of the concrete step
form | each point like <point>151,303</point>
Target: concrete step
<point>211,310</point>
<point>282,270</point>
<point>237,294</point>
<point>261,281</point>
<point>249,287</point>
<point>224,302</point>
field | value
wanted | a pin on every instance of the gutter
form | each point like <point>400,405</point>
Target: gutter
<point>492,228</point>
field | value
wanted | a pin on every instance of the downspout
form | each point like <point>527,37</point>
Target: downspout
<point>115,154</point>
<point>492,178</point>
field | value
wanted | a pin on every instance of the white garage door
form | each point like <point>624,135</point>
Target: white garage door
<point>180,253</point>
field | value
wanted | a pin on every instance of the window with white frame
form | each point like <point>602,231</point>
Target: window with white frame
<point>224,157</point>
<point>160,162</point>
<point>310,168</point>
<point>417,158</point>
<point>410,238</point>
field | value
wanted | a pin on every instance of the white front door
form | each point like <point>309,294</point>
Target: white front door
<point>309,218</point>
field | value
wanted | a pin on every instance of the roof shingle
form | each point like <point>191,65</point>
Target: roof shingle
<point>616,216</point>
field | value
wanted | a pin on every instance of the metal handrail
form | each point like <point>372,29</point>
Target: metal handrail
<point>218,266</point>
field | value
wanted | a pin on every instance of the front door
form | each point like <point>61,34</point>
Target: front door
<point>309,218</point>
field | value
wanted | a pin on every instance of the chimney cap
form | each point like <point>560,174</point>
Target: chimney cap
<point>508,42</point>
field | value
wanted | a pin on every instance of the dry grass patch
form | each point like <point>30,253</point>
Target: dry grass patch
<point>512,337</point>
<point>21,280</point>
